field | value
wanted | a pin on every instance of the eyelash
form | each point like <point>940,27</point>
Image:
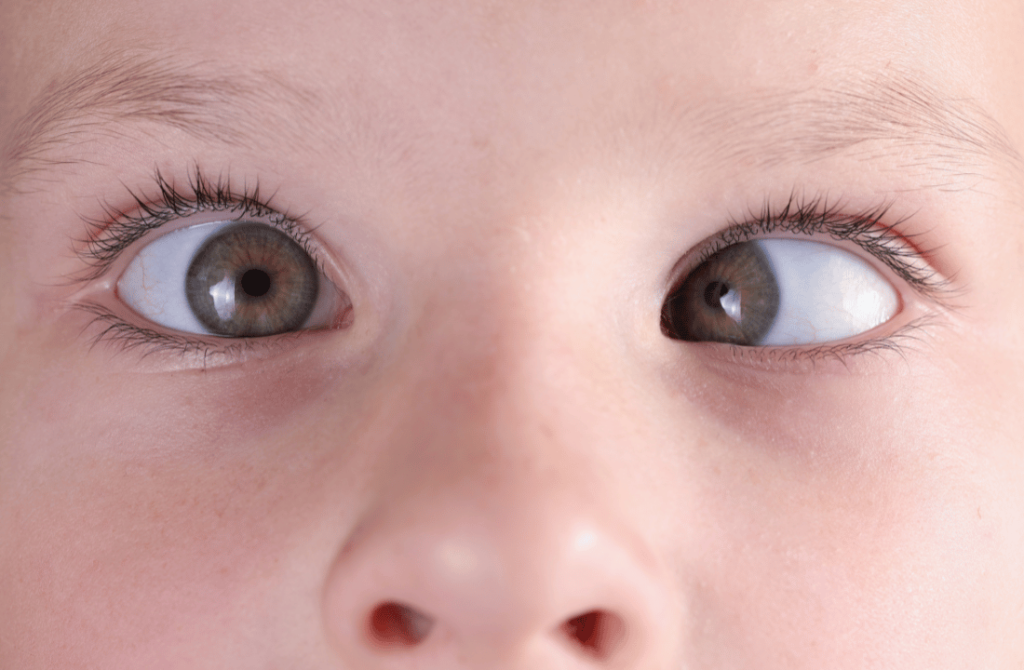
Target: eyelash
<point>868,230</point>
<point>792,358</point>
<point>118,229</point>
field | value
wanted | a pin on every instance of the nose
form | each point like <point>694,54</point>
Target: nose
<point>479,581</point>
<point>498,537</point>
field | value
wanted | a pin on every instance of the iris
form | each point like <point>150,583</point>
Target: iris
<point>732,297</point>
<point>251,280</point>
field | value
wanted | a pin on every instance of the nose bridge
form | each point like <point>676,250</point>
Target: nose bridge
<point>520,396</point>
<point>499,352</point>
<point>499,535</point>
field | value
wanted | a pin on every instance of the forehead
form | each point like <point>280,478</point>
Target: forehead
<point>520,58</point>
<point>468,89</point>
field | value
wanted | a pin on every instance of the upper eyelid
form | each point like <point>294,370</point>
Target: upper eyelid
<point>872,230</point>
<point>119,228</point>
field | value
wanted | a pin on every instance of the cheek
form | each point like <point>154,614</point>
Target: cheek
<point>852,514</point>
<point>151,511</point>
<point>138,550</point>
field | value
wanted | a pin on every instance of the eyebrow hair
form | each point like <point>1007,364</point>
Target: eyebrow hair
<point>950,143</point>
<point>224,108</point>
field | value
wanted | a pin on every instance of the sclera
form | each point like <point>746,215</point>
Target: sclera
<point>826,293</point>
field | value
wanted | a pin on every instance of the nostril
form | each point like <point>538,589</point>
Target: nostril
<point>394,624</point>
<point>598,633</point>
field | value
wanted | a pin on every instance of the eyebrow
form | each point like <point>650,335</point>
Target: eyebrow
<point>229,109</point>
<point>947,143</point>
<point>950,143</point>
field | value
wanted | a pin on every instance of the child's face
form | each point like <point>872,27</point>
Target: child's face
<point>488,414</point>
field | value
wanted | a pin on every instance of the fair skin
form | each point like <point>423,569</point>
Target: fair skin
<point>494,429</point>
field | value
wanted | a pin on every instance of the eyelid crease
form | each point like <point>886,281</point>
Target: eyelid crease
<point>867,229</point>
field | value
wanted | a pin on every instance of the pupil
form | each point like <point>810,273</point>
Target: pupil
<point>714,293</point>
<point>255,283</point>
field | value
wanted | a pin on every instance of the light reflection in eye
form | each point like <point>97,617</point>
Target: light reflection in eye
<point>826,293</point>
<point>200,280</point>
<point>223,294</point>
<point>779,292</point>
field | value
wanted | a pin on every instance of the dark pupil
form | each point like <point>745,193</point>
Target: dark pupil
<point>714,293</point>
<point>256,283</point>
<point>251,280</point>
<point>741,272</point>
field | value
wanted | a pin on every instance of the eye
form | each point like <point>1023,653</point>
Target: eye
<point>778,292</point>
<point>231,279</point>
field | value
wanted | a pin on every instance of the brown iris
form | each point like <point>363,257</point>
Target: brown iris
<point>731,297</point>
<point>252,280</point>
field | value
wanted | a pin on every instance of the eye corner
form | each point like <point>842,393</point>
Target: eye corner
<point>833,296</point>
<point>137,302</point>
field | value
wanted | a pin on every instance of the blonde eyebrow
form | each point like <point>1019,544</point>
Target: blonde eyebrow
<point>948,143</point>
<point>229,109</point>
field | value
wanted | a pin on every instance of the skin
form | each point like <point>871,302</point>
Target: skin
<point>500,435</point>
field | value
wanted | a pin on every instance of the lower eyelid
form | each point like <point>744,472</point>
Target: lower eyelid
<point>874,352</point>
<point>170,350</point>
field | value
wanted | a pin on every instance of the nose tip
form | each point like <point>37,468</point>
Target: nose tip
<point>465,590</point>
